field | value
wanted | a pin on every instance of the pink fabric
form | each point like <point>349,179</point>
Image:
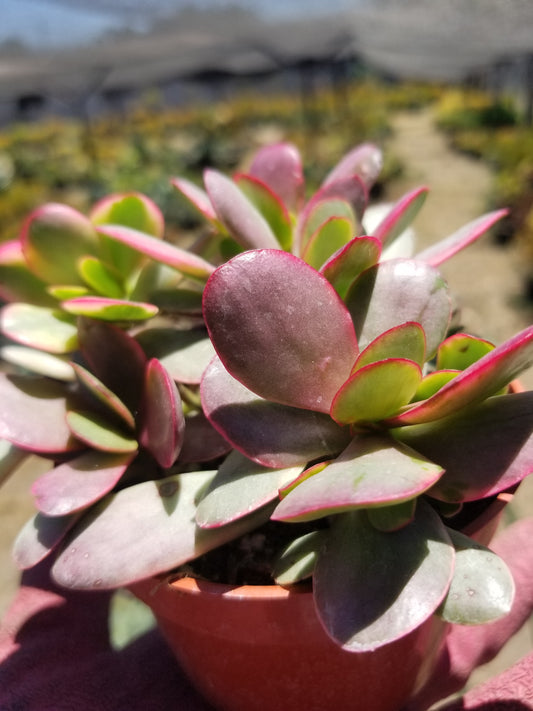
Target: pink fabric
<point>55,653</point>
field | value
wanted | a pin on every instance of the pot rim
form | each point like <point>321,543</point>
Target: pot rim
<point>197,586</point>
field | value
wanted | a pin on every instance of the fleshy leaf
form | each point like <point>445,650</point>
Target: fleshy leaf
<point>240,487</point>
<point>130,210</point>
<point>62,292</point>
<point>376,391</point>
<point>270,434</point>
<point>17,282</point>
<point>240,217</point>
<point>446,248</point>
<point>400,216</point>
<point>10,458</point>
<point>53,238</point>
<point>141,531</point>
<point>38,362</point>
<point>78,483</point>
<point>39,536</point>
<point>202,442</point>
<point>104,395</point>
<point>398,291</point>
<point>320,212</point>
<point>372,471</point>
<point>184,354</point>
<point>392,518</point>
<point>330,237</point>
<point>460,351</point>
<point>297,561</point>
<point>197,197</point>
<point>280,328</point>
<point>365,160</point>
<point>482,379</point>
<point>372,588</point>
<point>96,275</point>
<point>404,341</point>
<point>485,450</point>
<point>269,205</point>
<point>280,167</point>
<point>432,383</point>
<point>32,415</point>
<point>482,587</point>
<point>185,262</point>
<point>110,309</point>
<point>343,267</point>
<point>97,432</point>
<point>162,421</point>
<point>39,327</point>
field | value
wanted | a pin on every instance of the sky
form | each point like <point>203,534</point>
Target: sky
<point>53,23</point>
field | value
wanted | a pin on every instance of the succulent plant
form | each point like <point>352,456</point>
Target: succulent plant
<point>319,384</point>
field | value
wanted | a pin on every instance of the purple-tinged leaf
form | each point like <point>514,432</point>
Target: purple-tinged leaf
<point>400,216</point>
<point>392,518</point>
<point>100,279</point>
<point>130,210</point>
<point>38,362</point>
<point>76,484</point>
<point>372,588</point>
<point>269,434</point>
<point>202,442</point>
<point>240,487</point>
<point>17,282</point>
<point>376,391</point>
<point>141,531</point>
<point>197,197</point>
<point>39,536</point>
<point>365,160</point>
<point>269,205</point>
<point>105,347</point>
<point>446,248</point>
<point>485,450</point>
<point>398,291</point>
<point>106,309</point>
<point>404,341</point>
<point>240,217</point>
<point>479,381</point>
<point>460,351</point>
<point>280,167</point>
<point>53,238</point>
<point>185,262</point>
<point>162,421</point>
<point>319,213</point>
<point>280,328</point>
<point>104,395</point>
<point>331,236</point>
<point>99,433</point>
<point>184,354</point>
<point>33,415</point>
<point>297,561</point>
<point>372,471</point>
<point>39,327</point>
<point>343,267</point>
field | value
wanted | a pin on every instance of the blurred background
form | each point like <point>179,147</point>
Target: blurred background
<point>119,95</point>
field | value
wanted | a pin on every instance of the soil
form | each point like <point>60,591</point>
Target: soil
<point>487,279</point>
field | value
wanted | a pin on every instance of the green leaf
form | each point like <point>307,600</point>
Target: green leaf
<point>432,383</point>
<point>297,561</point>
<point>101,279</point>
<point>110,309</point>
<point>461,350</point>
<point>39,327</point>
<point>98,433</point>
<point>38,362</point>
<point>332,235</point>
<point>392,518</point>
<point>404,341</point>
<point>269,205</point>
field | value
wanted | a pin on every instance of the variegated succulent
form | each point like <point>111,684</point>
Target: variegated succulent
<point>289,367</point>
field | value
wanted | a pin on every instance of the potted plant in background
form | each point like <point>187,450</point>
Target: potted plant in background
<point>285,402</point>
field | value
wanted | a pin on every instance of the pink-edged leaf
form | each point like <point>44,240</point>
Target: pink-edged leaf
<point>53,238</point>
<point>365,160</point>
<point>115,358</point>
<point>240,487</point>
<point>105,309</point>
<point>76,484</point>
<point>39,327</point>
<point>486,450</point>
<point>343,267</point>
<point>130,210</point>
<point>446,248</point>
<point>162,421</point>
<point>280,328</point>
<point>202,442</point>
<point>329,238</point>
<point>197,197</point>
<point>104,395</point>
<point>320,211</point>
<point>398,291</point>
<point>297,561</point>
<point>270,434</point>
<point>400,216</point>
<point>479,381</point>
<point>376,391</point>
<point>141,531</point>
<point>460,351</point>
<point>372,588</point>
<point>180,259</point>
<point>97,432</point>
<point>17,282</point>
<point>39,536</point>
<point>38,362</point>
<point>280,167</point>
<point>374,470</point>
<point>33,415</point>
<point>240,217</point>
<point>269,205</point>
<point>185,354</point>
<point>404,341</point>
